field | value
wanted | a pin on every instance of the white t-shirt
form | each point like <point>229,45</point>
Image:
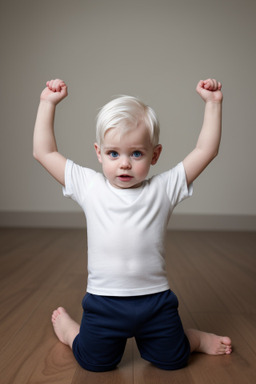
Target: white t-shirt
<point>126,229</point>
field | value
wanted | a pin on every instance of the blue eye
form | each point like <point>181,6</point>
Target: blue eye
<point>137,154</point>
<point>113,154</point>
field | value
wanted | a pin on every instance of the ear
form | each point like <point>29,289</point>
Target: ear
<point>156,154</point>
<point>98,152</point>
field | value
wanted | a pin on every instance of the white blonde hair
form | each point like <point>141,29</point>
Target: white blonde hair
<point>125,112</point>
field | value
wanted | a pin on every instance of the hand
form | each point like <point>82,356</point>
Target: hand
<point>210,90</point>
<point>55,91</point>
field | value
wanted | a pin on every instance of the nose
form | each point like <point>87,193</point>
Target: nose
<point>125,162</point>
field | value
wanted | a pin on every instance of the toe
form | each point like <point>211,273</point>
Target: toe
<point>57,312</point>
<point>61,310</point>
<point>55,315</point>
<point>226,345</point>
<point>228,350</point>
<point>226,340</point>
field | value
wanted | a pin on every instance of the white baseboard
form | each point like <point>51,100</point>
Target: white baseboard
<point>178,221</point>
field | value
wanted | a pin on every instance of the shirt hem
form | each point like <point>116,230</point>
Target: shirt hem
<point>127,293</point>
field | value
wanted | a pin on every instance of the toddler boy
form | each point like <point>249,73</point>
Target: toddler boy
<point>128,294</point>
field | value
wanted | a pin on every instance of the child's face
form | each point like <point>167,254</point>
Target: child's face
<point>126,156</point>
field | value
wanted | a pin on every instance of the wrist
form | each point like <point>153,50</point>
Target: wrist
<point>47,103</point>
<point>214,102</point>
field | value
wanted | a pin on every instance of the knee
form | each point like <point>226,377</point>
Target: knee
<point>95,362</point>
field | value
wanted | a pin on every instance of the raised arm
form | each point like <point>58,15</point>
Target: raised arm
<point>44,144</point>
<point>209,139</point>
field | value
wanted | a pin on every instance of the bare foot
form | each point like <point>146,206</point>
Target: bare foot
<point>66,329</point>
<point>209,343</point>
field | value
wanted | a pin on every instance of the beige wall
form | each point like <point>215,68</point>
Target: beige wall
<point>155,49</point>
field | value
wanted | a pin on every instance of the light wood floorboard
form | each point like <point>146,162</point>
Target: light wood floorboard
<point>212,273</point>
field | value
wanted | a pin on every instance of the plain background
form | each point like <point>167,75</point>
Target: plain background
<point>155,49</point>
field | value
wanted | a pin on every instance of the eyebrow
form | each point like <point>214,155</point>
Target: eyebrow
<point>133,147</point>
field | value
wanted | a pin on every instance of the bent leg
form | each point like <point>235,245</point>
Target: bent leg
<point>101,341</point>
<point>93,349</point>
<point>160,337</point>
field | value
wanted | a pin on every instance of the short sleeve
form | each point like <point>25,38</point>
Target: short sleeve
<point>77,181</point>
<point>177,188</point>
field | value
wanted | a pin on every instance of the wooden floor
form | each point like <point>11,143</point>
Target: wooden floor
<point>213,274</point>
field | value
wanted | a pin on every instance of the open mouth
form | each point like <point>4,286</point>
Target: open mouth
<point>125,177</point>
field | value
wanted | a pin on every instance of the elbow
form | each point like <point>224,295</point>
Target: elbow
<point>210,157</point>
<point>35,155</point>
<point>215,154</point>
<point>35,150</point>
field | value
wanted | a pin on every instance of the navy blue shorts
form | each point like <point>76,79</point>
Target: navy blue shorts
<point>108,322</point>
